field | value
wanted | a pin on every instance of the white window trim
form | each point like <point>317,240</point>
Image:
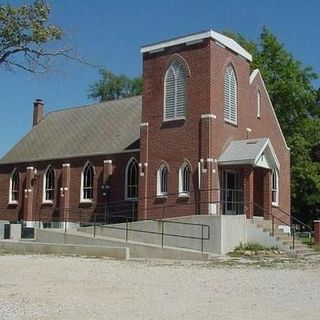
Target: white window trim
<point>83,200</point>
<point>175,118</point>
<point>44,180</point>
<point>126,179</point>
<point>10,188</point>
<point>258,105</point>
<point>184,193</point>
<point>159,192</point>
<point>275,203</point>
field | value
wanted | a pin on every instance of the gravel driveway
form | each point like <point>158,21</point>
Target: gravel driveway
<point>51,287</point>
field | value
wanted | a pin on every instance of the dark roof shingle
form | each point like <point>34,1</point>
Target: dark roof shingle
<point>102,128</point>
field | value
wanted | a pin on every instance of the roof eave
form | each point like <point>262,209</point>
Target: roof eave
<point>191,38</point>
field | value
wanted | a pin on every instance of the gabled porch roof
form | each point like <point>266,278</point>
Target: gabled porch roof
<point>256,152</point>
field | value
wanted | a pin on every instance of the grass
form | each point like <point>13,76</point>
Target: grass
<point>251,249</point>
<point>251,246</point>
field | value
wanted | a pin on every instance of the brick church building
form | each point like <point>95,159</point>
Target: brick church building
<point>202,139</point>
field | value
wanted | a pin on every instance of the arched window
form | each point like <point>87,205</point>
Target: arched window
<point>162,180</point>
<point>175,88</point>
<point>14,187</point>
<point>230,95</point>
<point>275,187</point>
<point>48,184</point>
<point>184,178</point>
<point>87,182</point>
<point>132,178</point>
<point>258,104</point>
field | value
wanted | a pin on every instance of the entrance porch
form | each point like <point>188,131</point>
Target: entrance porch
<point>245,171</point>
<point>245,190</point>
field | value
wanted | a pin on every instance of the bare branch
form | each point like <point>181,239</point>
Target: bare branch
<point>24,37</point>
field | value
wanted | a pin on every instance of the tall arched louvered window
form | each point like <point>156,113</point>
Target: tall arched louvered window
<point>258,104</point>
<point>184,178</point>
<point>132,179</point>
<point>175,89</point>
<point>275,187</point>
<point>48,184</point>
<point>14,187</point>
<point>87,182</point>
<point>162,180</point>
<point>230,95</point>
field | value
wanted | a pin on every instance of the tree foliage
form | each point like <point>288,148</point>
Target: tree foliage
<point>111,86</point>
<point>27,40</point>
<point>296,103</point>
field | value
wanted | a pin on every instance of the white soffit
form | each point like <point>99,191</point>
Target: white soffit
<point>224,40</point>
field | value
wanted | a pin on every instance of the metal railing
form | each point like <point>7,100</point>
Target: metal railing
<point>275,218</point>
<point>200,232</point>
<point>294,222</point>
<point>118,215</point>
<point>204,230</point>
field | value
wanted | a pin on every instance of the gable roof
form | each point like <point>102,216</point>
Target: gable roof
<point>102,128</point>
<point>250,152</point>
<point>193,38</point>
<point>253,75</point>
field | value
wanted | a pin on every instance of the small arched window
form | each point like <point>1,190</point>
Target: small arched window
<point>275,187</point>
<point>48,183</point>
<point>258,104</point>
<point>184,178</point>
<point>162,180</point>
<point>87,182</point>
<point>230,96</point>
<point>14,187</point>
<point>132,179</point>
<point>175,88</point>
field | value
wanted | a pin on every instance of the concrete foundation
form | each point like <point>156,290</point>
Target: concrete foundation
<point>15,232</point>
<point>65,249</point>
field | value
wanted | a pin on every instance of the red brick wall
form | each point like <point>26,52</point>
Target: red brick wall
<point>45,211</point>
<point>267,126</point>
<point>194,139</point>
<point>173,141</point>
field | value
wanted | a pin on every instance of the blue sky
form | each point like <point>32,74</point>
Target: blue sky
<point>110,33</point>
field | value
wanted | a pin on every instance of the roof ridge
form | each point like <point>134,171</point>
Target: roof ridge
<point>92,105</point>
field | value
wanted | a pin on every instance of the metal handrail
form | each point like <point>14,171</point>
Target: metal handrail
<point>296,219</point>
<point>205,228</point>
<point>163,233</point>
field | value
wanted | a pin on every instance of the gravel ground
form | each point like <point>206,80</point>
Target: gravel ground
<point>53,287</point>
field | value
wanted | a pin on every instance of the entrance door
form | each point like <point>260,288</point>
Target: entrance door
<point>231,193</point>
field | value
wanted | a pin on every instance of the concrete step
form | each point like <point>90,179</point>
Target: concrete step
<point>285,239</point>
<point>275,231</point>
<point>303,252</point>
<point>300,246</point>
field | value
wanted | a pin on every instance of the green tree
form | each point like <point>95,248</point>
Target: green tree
<point>111,87</point>
<point>27,40</point>
<point>295,101</point>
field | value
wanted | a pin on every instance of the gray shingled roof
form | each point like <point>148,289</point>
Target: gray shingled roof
<point>243,151</point>
<point>102,128</point>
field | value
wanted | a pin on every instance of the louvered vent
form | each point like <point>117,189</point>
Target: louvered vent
<point>170,94</point>
<point>258,105</point>
<point>175,91</point>
<point>230,95</point>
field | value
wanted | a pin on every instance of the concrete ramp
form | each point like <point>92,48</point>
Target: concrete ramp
<point>137,250</point>
<point>221,233</point>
